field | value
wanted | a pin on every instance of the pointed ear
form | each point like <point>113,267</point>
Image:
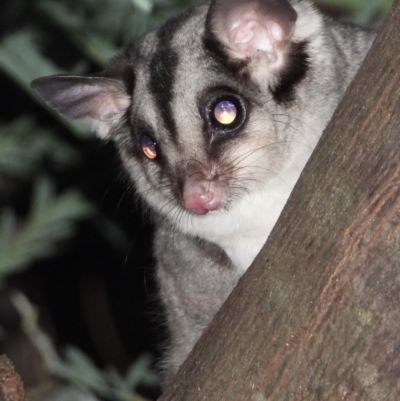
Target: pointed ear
<point>253,29</point>
<point>103,100</point>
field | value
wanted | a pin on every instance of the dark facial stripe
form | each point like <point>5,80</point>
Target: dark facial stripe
<point>294,72</point>
<point>162,69</point>
<point>162,76</point>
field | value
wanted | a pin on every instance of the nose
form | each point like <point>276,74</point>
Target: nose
<point>200,199</point>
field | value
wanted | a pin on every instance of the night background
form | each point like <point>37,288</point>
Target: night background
<point>79,315</point>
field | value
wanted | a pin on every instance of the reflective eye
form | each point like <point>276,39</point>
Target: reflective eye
<point>225,112</point>
<point>149,147</point>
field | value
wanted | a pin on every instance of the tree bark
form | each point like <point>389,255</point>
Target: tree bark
<point>317,316</point>
<point>11,386</point>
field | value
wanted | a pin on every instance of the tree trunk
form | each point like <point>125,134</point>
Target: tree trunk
<point>11,386</point>
<point>317,316</point>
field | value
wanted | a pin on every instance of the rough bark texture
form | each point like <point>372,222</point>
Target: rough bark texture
<point>317,316</point>
<point>11,387</point>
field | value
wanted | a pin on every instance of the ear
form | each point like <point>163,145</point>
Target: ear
<point>103,100</point>
<point>253,29</point>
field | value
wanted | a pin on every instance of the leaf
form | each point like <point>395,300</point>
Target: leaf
<point>144,5</point>
<point>140,373</point>
<point>98,49</point>
<point>22,62</point>
<point>23,146</point>
<point>8,226</point>
<point>82,366</point>
<point>52,219</point>
<point>364,12</point>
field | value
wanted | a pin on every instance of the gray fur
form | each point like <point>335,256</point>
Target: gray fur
<point>168,78</point>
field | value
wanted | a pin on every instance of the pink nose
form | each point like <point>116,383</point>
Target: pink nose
<point>201,203</point>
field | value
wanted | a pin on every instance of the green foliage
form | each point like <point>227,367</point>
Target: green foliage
<point>77,368</point>
<point>21,60</point>
<point>51,219</point>
<point>21,153</point>
<point>363,12</point>
<point>99,29</point>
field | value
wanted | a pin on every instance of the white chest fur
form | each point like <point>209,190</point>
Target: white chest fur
<point>243,230</point>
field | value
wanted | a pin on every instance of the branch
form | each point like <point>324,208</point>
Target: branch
<point>11,387</point>
<point>317,315</point>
